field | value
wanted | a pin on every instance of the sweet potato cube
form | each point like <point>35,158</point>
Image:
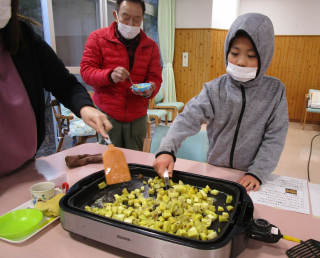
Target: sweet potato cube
<point>203,236</point>
<point>162,206</point>
<point>193,233</point>
<point>220,208</point>
<point>166,226</point>
<point>128,220</point>
<point>214,192</point>
<point>229,208</point>
<point>166,214</point>
<point>119,217</point>
<point>212,235</point>
<point>222,219</point>
<point>229,199</point>
<point>225,214</point>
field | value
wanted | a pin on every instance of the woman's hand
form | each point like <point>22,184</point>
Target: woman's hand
<point>96,119</point>
<point>249,182</point>
<point>162,162</point>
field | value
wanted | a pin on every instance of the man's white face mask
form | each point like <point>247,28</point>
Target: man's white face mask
<point>242,74</point>
<point>5,12</point>
<point>128,32</point>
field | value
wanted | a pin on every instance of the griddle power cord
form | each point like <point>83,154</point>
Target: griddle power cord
<point>293,239</point>
<point>310,155</point>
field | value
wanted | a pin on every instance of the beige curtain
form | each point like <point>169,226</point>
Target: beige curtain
<point>166,28</point>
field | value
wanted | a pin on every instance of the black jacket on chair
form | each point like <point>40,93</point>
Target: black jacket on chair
<point>40,68</point>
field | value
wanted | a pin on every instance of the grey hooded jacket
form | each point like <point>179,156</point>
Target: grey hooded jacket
<point>247,123</point>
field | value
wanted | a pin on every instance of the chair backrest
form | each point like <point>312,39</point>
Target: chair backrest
<point>193,148</point>
<point>55,108</point>
<point>314,97</point>
<point>151,103</point>
<point>159,97</point>
<point>310,91</point>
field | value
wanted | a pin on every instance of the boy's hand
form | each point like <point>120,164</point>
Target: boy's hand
<point>249,182</point>
<point>162,162</point>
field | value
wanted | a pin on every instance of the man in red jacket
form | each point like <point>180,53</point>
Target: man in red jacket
<point>113,54</point>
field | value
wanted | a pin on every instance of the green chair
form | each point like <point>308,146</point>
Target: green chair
<point>69,124</point>
<point>306,107</point>
<point>173,107</point>
<point>193,148</point>
<point>156,114</point>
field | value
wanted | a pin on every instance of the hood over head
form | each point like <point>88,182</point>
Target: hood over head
<point>260,31</point>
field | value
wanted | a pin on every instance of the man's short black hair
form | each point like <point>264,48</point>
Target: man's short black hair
<point>143,5</point>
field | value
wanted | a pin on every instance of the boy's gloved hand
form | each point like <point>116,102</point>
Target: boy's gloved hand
<point>162,162</point>
<point>249,182</point>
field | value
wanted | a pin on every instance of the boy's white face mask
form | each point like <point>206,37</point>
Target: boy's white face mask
<point>128,32</point>
<point>242,74</point>
<point>5,12</point>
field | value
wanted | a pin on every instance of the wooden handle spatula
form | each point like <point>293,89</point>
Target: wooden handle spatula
<point>115,165</point>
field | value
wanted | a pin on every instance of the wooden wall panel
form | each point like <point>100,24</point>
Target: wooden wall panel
<point>190,80</point>
<point>296,63</point>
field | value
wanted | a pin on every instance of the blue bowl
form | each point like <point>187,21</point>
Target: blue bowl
<point>141,86</point>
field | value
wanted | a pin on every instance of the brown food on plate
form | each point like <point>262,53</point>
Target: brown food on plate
<point>50,208</point>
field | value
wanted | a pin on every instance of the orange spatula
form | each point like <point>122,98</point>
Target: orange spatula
<point>115,165</point>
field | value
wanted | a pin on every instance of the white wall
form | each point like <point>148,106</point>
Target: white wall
<point>193,13</point>
<point>224,13</point>
<point>289,17</point>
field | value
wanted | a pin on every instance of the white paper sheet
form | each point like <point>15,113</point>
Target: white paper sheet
<point>314,191</point>
<point>283,192</point>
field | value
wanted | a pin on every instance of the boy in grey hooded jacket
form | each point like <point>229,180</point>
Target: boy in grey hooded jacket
<point>247,122</point>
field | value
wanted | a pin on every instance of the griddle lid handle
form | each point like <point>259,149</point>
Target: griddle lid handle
<point>240,230</point>
<point>246,214</point>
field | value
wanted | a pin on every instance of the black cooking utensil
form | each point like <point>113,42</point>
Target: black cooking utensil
<point>307,249</point>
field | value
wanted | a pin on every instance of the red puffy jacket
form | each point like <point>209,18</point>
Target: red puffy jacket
<point>102,54</point>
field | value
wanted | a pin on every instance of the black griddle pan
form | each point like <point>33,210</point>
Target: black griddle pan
<point>86,191</point>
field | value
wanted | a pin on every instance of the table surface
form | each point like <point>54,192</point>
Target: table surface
<point>54,240</point>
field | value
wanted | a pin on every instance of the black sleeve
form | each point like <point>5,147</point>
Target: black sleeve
<point>57,79</point>
<point>166,152</point>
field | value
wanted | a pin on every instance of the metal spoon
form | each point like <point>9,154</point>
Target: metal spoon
<point>131,80</point>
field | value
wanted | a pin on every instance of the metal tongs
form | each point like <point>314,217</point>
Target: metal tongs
<point>166,178</point>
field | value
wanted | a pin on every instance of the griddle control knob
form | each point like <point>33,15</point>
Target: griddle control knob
<point>262,225</point>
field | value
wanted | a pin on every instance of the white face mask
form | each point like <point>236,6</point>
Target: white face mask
<point>128,32</point>
<point>242,74</point>
<point>5,12</point>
